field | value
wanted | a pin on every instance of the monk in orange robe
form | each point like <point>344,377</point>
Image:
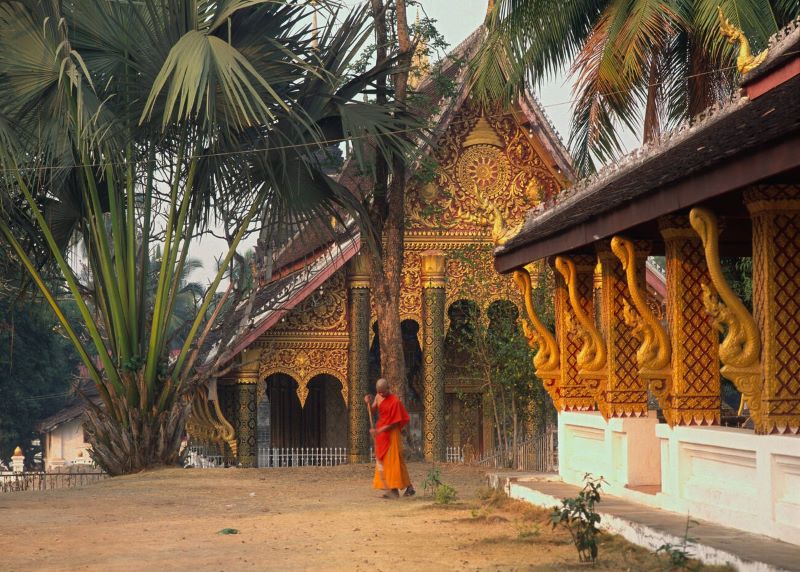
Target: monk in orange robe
<point>391,473</point>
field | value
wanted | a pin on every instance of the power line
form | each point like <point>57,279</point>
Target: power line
<point>329,142</point>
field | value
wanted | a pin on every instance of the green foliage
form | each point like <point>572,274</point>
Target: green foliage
<point>655,62</point>
<point>126,126</point>
<point>445,494</point>
<point>679,555</point>
<point>442,492</point>
<point>577,515</point>
<point>37,368</point>
<point>432,480</point>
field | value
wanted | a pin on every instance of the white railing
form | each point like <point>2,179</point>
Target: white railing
<point>539,454</point>
<point>201,457</point>
<point>303,457</point>
<point>454,455</point>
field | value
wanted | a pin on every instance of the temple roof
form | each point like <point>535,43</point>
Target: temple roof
<point>647,182</point>
<point>303,246</point>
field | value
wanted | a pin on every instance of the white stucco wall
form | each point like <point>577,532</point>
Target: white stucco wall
<point>65,445</point>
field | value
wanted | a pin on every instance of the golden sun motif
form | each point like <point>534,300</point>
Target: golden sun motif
<point>484,166</point>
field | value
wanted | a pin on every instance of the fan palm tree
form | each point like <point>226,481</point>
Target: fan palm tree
<point>125,124</point>
<point>637,64</point>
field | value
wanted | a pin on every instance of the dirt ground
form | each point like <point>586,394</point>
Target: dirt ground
<point>288,519</point>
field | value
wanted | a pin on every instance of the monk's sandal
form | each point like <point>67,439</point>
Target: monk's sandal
<point>410,492</point>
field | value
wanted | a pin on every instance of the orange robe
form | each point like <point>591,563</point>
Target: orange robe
<point>389,446</point>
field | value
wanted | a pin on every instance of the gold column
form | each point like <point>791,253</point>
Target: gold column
<point>358,362</point>
<point>695,341</point>
<point>775,211</point>
<point>655,351</point>
<point>433,302</point>
<point>582,351</point>
<point>246,380</point>
<point>625,394</point>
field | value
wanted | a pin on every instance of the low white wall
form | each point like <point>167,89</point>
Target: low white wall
<point>733,477</point>
<point>624,451</point>
<point>720,474</point>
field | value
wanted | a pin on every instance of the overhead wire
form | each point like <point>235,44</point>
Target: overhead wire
<point>337,141</point>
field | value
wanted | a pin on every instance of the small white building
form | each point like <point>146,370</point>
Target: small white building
<point>64,439</point>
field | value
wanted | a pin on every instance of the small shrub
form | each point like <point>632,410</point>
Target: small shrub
<point>442,493</point>
<point>578,516</point>
<point>679,555</point>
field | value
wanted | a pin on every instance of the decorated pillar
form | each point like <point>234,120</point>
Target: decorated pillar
<point>695,392</point>
<point>358,362</point>
<point>655,351</point>
<point>582,351</point>
<point>433,302</point>
<point>625,394</point>
<point>775,211</point>
<point>242,386</point>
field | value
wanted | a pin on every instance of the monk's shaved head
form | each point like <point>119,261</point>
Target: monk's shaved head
<point>382,383</point>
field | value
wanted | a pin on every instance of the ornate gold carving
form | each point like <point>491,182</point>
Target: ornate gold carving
<point>303,363</point>
<point>323,310</point>
<point>654,353</point>
<point>740,350</point>
<point>592,356</point>
<point>433,299</point>
<point>625,391</point>
<point>695,392</point>
<point>484,167</point>
<point>210,426</point>
<point>493,151</point>
<point>745,61</point>
<point>547,359</point>
<point>482,134</point>
<point>775,212</point>
<point>433,269</point>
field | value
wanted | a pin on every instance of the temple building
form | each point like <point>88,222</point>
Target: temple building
<point>726,186</point>
<point>307,359</point>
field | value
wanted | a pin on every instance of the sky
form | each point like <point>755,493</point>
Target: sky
<point>455,20</point>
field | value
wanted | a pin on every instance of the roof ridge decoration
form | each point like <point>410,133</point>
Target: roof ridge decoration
<point>745,61</point>
<point>632,160</point>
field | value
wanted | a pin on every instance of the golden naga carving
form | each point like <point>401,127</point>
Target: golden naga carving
<point>547,359</point>
<point>205,425</point>
<point>655,352</point>
<point>501,234</point>
<point>745,61</point>
<point>740,350</point>
<point>591,359</point>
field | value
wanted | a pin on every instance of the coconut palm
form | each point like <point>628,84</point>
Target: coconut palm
<point>637,64</point>
<point>129,124</point>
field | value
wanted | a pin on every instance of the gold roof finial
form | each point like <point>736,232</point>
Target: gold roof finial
<point>745,62</point>
<point>420,62</point>
<point>18,452</point>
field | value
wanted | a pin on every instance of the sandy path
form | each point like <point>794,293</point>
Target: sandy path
<point>289,519</point>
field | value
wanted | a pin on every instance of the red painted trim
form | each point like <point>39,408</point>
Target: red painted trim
<point>773,79</point>
<point>656,283</point>
<point>346,254</point>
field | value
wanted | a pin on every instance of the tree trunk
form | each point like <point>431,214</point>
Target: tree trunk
<point>388,215</point>
<point>146,439</point>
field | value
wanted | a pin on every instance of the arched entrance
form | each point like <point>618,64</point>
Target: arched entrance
<point>465,422</point>
<point>283,423</point>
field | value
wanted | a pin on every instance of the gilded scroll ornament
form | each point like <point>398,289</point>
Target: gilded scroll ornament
<point>547,359</point>
<point>592,356</point>
<point>740,350</point>
<point>655,352</point>
<point>206,425</point>
<point>745,61</point>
